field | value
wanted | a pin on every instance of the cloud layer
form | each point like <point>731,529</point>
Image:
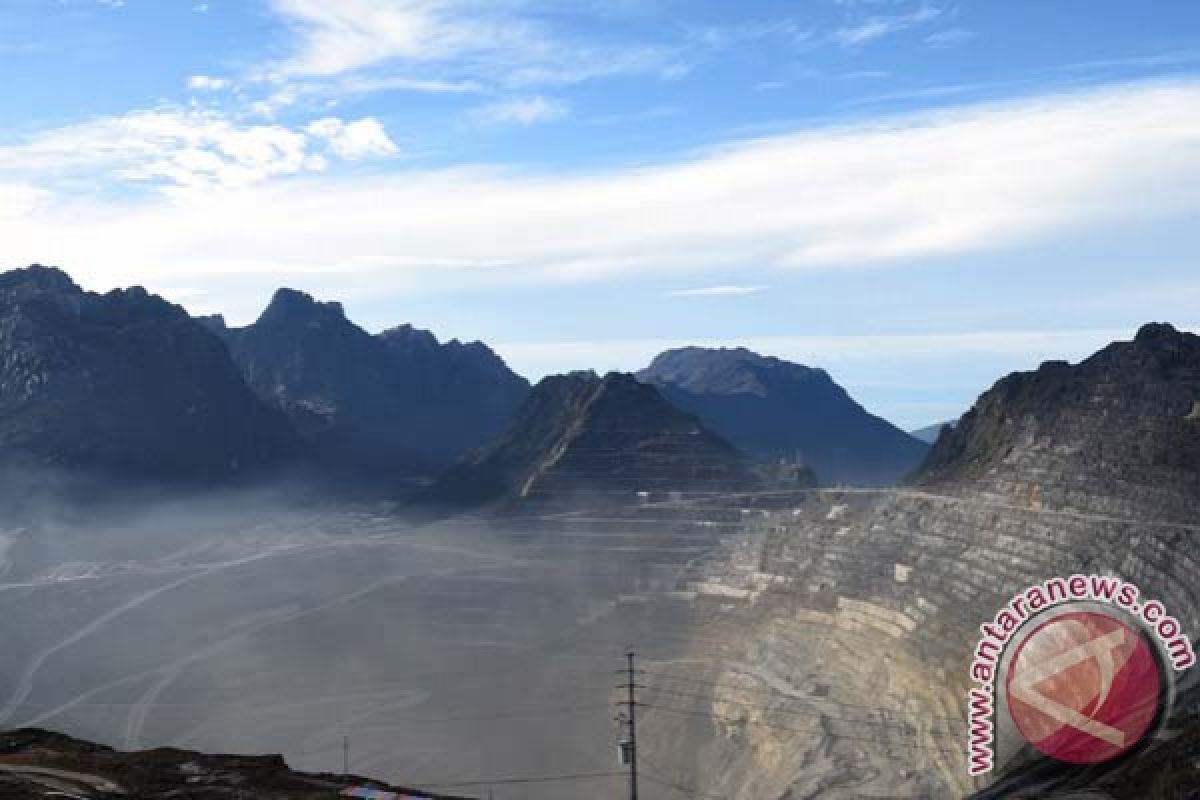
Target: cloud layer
<point>899,190</point>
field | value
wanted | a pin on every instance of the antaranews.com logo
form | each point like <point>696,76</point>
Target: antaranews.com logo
<point>1085,681</point>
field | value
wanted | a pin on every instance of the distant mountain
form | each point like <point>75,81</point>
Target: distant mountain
<point>1125,421</point>
<point>124,384</point>
<point>775,409</point>
<point>398,401</point>
<point>929,434</point>
<point>581,434</point>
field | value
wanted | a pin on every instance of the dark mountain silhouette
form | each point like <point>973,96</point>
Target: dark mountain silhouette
<point>579,433</point>
<point>124,384</point>
<point>396,402</point>
<point>775,409</point>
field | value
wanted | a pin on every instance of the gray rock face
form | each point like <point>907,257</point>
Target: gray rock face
<point>774,409</point>
<point>1115,430</point>
<point>855,612</point>
<point>580,434</point>
<point>399,401</point>
<point>124,384</point>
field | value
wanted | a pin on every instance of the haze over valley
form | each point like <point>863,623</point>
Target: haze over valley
<point>543,400</point>
<point>301,596</point>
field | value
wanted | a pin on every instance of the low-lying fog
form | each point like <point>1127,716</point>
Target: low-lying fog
<point>262,621</point>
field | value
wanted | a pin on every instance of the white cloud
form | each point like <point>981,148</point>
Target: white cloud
<point>521,111</point>
<point>899,191</point>
<point>186,149</point>
<point>349,34</point>
<point>879,27</point>
<point>717,291</point>
<point>721,37</point>
<point>207,83</point>
<point>353,141</point>
<point>446,43</point>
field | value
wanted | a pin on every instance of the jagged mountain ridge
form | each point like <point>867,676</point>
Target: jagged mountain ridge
<point>773,409</point>
<point>1123,424</point>
<point>582,433</point>
<point>391,402</point>
<point>124,384</point>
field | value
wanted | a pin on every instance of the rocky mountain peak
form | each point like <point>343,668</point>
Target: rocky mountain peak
<point>376,406</point>
<point>775,409</point>
<point>1114,429</point>
<point>125,384</point>
<point>579,435</point>
<point>294,307</point>
<point>409,338</point>
<point>40,278</point>
<point>726,371</point>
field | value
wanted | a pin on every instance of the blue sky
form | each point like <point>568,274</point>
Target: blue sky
<point>918,196</point>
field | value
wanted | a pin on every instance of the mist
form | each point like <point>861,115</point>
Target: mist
<point>280,619</point>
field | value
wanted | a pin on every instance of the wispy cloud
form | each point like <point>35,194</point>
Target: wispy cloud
<point>895,191</point>
<point>949,37</point>
<point>521,111</point>
<point>878,27</point>
<point>447,42</point>
<point>717,291</point>
<point>787,30</point>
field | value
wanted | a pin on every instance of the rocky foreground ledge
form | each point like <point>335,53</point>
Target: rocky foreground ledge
<point>40,764</point>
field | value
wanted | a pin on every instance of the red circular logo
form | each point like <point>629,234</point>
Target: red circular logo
<point>1083,687</point>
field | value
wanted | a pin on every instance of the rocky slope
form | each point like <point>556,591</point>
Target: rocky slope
<point>124,384</point>
<point>581,434</point>
<point>1121,427</point>
<point>399,401</point>
<point>775,409</point>
<point>39,764</point>
<point>855,612</point>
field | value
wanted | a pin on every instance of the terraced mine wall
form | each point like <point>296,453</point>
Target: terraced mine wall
<point>855,615</point>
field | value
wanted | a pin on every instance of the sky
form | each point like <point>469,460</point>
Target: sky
<point>919,196</point>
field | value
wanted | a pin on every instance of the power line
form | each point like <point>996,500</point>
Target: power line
<point>509,781</point>
<point>687,790</point>
<point>798,713</point>
<point>770,692</point>
<point>733,721</point>
<point>549,712</point>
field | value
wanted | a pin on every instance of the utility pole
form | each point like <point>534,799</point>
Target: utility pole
<point>631,706</point>
<point>346,754</point>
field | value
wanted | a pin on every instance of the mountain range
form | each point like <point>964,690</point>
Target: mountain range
<point>125,383</point>
<point>376,404</point>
